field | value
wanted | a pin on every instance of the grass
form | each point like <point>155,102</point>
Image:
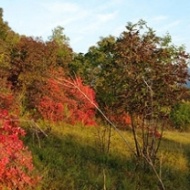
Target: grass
<point>75,158</point>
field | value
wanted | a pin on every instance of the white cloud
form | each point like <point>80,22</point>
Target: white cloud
<point>98,21</point>
<point>174,24</point>
<point>159,18</point>
<point>62,13</point>
<point>168,26</point>
<point>106,17</point>
<point>60,7</point>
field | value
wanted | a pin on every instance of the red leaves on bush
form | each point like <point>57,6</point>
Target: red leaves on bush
<point>123,120</point>
<point>50,109</point>
<point>16,167</point>
<point>84,100</point>
<point>63,101</point>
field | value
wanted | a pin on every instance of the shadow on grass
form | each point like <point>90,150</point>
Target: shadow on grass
<point>176,162</point>
<point>68,163</point>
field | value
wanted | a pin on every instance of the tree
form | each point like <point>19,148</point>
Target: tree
<point>99,71</point>
<point>152,74</point>
<point>97,68</point>
<point>141,74</point>
<point>151,68</point>
<point>7,39</point>
<point>31,60</point>
<point>6,34</point>
<point>58,36</point>
<point>180,115</point>
<point>64,52</point>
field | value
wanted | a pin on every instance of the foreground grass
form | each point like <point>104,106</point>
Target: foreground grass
<point>77,158</point>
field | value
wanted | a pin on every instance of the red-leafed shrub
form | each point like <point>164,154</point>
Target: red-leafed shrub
<point>64,100</point>
<point>123,121</point>
<point>84,100</point>
<point>53,104</point>
<point>50,109</point>
<point>16,167</point>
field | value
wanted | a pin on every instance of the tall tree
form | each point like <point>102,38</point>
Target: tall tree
<point>97,69</point>
<point>152,69</point>
<point>7,39</point>
<point>31,60</point>
<point>64,52</point>
<point>153,73</point>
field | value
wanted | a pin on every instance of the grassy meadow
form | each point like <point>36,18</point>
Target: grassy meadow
<point>95,158</point>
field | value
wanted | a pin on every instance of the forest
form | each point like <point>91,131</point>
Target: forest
<point>114,118</point>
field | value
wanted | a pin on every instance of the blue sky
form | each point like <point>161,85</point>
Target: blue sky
<point>85,21</point>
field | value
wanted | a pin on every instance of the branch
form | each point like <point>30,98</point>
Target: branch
<point>65,82</point>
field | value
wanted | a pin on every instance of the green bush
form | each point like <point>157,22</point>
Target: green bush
<point>180,116</point>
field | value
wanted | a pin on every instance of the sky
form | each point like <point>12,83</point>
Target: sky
<point>86,21</point>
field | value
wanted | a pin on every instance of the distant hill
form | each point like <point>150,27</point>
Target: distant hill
<point>188,82</point>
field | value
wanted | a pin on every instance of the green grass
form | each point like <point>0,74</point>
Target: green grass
<point>75,158</point>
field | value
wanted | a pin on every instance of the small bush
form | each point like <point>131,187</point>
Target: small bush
<point>180,116</point>
<point>16,167</point>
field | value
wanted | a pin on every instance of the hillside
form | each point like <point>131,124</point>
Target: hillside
<point>75,157</point>
<point>188,82</point>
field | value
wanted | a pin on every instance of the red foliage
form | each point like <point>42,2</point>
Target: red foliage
<point>53,103</point>
<point>123,120</point>
<point>84,102</point>
<point>50,109</point>
<point>63,101</point>
<point>7,99</point>
<point>16,165</point>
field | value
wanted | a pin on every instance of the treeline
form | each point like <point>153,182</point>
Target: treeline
<point>134,74</point>
<point>137,73</point>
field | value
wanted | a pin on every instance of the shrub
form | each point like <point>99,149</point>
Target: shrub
<point>83,97</point>
<point>64,102</point>
<point>16,167</point>
<point>123,121</point>
<point>180,115</point>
